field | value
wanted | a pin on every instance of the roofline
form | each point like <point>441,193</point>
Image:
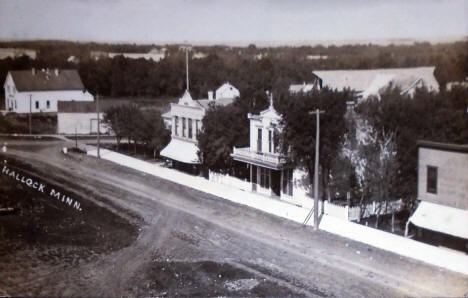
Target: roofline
<point>368,69</point>
<point>443,146</point>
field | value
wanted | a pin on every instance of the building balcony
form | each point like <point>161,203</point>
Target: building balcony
<point>269,160</point>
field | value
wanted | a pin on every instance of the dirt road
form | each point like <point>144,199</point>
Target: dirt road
<point>191,243</point>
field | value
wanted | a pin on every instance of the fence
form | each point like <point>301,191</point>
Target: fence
<point>354,213</point>
<point>229,181</point>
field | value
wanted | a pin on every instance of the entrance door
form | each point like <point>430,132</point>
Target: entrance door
<point>276,182</point>
<point>253,177</point>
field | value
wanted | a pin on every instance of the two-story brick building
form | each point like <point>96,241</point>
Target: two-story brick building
<point>442,189</point>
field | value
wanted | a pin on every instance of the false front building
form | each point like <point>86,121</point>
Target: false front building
<point>270,174</point>
<point>187,115</point>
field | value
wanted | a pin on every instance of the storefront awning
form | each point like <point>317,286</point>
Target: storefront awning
<point>440,218</point>
<point>181,151</point>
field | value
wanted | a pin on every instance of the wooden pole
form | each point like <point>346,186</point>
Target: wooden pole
<point>98,134</point>
<point>30,111</point>
<point>317,112</point>
<point>187,68</point>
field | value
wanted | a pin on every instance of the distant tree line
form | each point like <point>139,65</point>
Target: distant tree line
<point>279,66</point>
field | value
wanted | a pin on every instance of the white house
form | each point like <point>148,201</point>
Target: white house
<point>187,115</point>
<point>303,88</point>
<point>269,172</point>
<point>227,90</point>
<point>31,91</point>
<point>367,82</point>
<point>80,117</point>
<point>442,189</point>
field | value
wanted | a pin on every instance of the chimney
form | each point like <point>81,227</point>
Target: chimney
<point>210,95</point>
<point>56,71</point>
<point>33,71</point>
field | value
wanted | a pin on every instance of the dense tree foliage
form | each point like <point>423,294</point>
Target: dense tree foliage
<point>223,128</point>
<point>298,136</point>
<point>438,117</point>
<point>278,67</point>
<point>128,121</point>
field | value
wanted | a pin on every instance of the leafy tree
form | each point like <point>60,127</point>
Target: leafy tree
<point>223,128</point>
<point>298,135</point>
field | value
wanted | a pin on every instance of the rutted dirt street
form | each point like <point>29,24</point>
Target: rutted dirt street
<point>138,235</point>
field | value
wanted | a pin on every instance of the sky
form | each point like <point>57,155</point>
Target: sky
<point>232,21</point>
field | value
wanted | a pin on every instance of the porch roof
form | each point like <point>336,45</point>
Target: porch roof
<point>440,218</point>
<point>179,150</point>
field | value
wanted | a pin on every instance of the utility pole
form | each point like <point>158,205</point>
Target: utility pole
<point>186,67</point>
<point>317,112</point>
<point>30,111</point>
<point>98,136</point>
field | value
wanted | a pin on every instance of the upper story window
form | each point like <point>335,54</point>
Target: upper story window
<point>176,125</point>
<point>432,179</point>
<point>183,126</point>
<point>259,140</point>
<point>48,104</point>
<point>190,128</point>
<point>37,104</point>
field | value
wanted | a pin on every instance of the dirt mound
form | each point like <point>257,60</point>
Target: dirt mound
<point>203,279</point>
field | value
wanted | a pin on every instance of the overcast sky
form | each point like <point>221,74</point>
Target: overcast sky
<point>231,21</point>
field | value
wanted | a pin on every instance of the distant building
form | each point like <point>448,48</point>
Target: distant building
<point>199,55</point>
<point>227,90</point>
<point>155,55</point>
<point>16,52</point>
<point>370,82</point>
<point>442,189</point>
<point>302,88</point>
<point>39,91</point>
<point>80,117</point>
<point>462,84</point>
<point>269,172</point>
<point>316,57</point>
<point>187,115</point>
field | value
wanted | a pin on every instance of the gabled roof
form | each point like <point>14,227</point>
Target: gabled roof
<point>50,80</point>
<point>361,80</point>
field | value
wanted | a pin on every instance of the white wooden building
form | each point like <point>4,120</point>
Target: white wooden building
<point>370,82</point>
<point>442,189</point>
<point>31,91</point>
<point>227,90</point>
<point>269,173</point>
<point>187,115</point>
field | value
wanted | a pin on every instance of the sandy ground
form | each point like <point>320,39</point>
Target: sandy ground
<point>139,235</point>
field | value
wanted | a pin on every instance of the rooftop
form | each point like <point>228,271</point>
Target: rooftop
<point>47,80</point>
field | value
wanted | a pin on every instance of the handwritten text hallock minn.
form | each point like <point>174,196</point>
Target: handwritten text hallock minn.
<point>41,187</point>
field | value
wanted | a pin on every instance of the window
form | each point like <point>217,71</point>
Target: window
<point>183,126</point>
<point>190,128</point>
<point>48,104</point>
<point>271,142</point>
<point>197,127</point>
<point>176,125</point>
<point>16,105</point>
<point>264,177</point>
<point>259,140</point>
<point>37,104</point>
<point>288,182</point>
<point>432,179</point>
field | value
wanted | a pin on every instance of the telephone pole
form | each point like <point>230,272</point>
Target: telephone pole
<point>98,136</point>
<point>186,67</point>
<point>30,111</point>
<point>317,113</point>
